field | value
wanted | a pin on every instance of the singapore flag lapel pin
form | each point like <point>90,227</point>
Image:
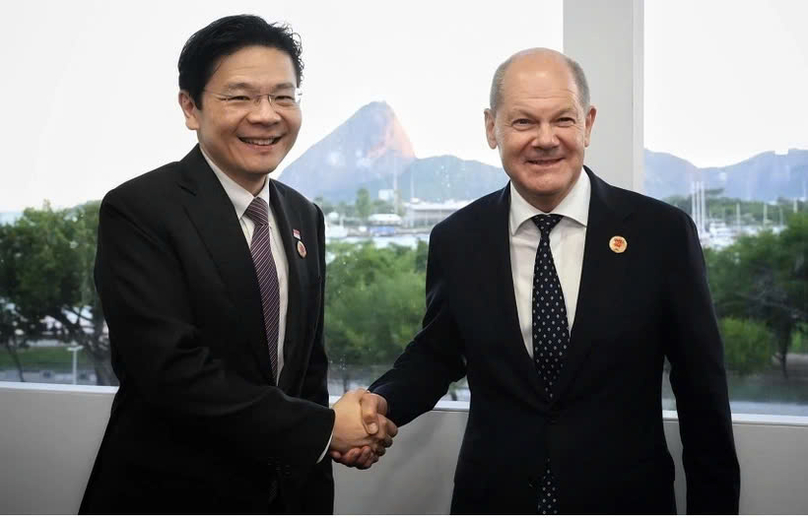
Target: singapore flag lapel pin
<point>301,248</point>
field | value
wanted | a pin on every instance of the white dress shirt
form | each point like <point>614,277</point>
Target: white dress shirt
<point>566,244</point>
<point>241,199</point>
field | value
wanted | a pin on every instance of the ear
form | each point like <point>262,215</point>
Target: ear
<point>189,110</point>
<point>590,121</point>
<point>490,134</point>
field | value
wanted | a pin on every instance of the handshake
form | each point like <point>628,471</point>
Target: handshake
<point>362,433</point>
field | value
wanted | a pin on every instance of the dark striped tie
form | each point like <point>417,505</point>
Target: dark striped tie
<point>267,274</point>
<point>550,338</point>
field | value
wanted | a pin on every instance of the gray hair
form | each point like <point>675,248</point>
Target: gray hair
<point>578,76</point>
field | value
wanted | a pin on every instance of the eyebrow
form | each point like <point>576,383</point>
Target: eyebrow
<point>241,85</point>
<point>525,112</point>
<point>569,110</point>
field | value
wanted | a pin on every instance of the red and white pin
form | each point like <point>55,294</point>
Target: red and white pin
<point>301,248</point>
<point>618,244</point>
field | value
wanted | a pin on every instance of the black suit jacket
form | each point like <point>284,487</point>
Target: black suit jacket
<point>198,424</point>
<point>604,432</point>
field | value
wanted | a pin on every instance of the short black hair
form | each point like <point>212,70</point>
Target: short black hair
<point>225,37</point>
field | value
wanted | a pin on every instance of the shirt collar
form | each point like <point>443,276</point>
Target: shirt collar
<point>239,196</point>
<point>574,206</point>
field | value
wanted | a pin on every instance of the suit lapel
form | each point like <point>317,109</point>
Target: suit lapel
<point>502,295</point>
<point>212,213</point>
<point>285,217</point>
<point>603,272</point>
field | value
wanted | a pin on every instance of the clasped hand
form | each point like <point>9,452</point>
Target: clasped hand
<point>362,433</point>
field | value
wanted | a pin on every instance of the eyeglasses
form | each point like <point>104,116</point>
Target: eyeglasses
<point>286,100</point>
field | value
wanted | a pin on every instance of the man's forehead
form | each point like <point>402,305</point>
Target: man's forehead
<point>249,61</point>
<point>538,78</point>
<point>538,70</point>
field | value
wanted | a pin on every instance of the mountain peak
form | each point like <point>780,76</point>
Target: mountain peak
<point>369,146</point>
<point>393,136</point>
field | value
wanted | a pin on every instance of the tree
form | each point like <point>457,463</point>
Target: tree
<point>764,278</point>
<point>421,256</point>
<point>363,204</point>
<point>374,303</point>
<point>51,255</point>
<point>346,210</point>
<point>382,207</point>
<point>8,320</point>
<point>747,345</point>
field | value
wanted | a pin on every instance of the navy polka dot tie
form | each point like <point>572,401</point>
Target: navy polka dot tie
<point>550,333</point>
<point>550,337</point>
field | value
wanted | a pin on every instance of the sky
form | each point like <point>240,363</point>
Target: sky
<point>89,88</point>
<point>725,79</point>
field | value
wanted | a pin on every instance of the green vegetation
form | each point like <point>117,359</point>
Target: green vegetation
<point>800,342</point>
<point>725,209</point>
<point>374,302</point>
<point>46,285</point>
<point>747,345</point>
<point>358,212</point>
<point>43,358</point>
<point>764,278</point>
<point>374,296</point>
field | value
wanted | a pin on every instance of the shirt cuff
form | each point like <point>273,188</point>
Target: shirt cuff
<point>322,455</point>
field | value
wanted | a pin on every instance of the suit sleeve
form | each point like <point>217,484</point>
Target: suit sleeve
<point>699,382</point>
<point>167,360</point>
<point>319,498</point>
<point>434,358</point>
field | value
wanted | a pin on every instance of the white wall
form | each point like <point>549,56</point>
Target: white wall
<point>49,435</point>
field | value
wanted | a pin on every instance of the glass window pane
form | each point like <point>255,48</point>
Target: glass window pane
<point>727,142</point>
<point>393,102</point>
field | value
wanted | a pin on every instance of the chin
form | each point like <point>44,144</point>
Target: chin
<point>262,167</point>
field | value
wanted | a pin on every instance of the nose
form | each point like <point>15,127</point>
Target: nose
<point>545,137</point>
<point>264,112</point>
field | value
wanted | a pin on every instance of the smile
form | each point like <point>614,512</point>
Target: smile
<point>545,162</point>
<point>260,141</point>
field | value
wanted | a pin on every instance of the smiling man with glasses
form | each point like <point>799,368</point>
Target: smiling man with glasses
<point>211,277</point>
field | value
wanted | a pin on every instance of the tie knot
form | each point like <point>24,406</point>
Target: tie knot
<point>546,222</point>
<point>258,211</point>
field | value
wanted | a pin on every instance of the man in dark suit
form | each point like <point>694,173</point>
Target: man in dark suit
<point>211,277</point>
<point>559,298</point>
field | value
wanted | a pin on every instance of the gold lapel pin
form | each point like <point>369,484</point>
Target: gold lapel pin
<point>618,244</point>
<point>301,249</point>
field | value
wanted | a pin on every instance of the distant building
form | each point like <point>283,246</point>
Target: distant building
<point>385,220</point>
<point>427,214</point>
<point>388,195</point>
